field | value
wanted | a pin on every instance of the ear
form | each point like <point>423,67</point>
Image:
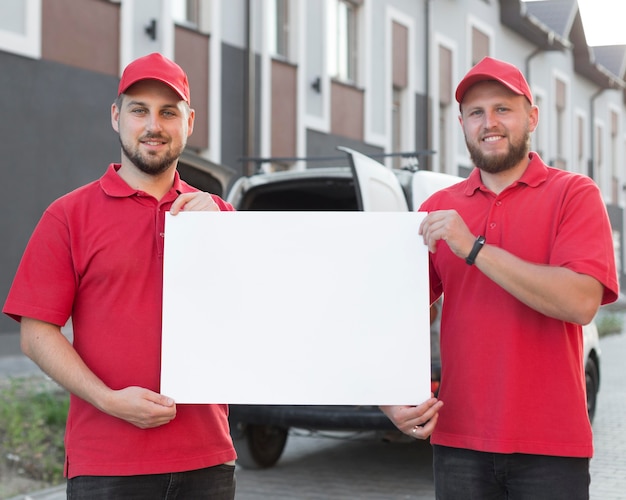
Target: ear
<point>533,118</point>
<point>115,116</point>
<point>190,121</point>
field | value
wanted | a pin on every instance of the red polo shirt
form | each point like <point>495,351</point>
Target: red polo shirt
<point>97,256</point>
<point>512,378</point>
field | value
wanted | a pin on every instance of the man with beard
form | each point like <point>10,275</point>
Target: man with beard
<point>97,256</point>
<point>523,254</point>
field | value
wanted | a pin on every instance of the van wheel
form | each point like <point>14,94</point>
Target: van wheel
<point>259,446</point>
<point>592,380</point>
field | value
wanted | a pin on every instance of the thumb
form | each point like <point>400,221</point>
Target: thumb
<point>162,400</point>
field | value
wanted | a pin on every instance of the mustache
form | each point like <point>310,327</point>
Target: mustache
<point>152,137</point>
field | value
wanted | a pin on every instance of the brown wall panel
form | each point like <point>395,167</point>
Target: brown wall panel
<point>400,55</point>
<point>346,111</point>
<point>192,54</point>
<point>284,108</point>
<point>445,76</point>
<point>83,34</point>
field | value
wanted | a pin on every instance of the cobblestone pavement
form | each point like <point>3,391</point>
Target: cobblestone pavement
<point>608,467</point>
<point>315,468</point>
<point>318,468</point>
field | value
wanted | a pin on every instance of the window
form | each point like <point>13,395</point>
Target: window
<point>342,31</point>
<point>20,27</point>
<point>560,115</point>
<point>279,28</point>
<point>400,80</point>
<point>614,165</point>
<point>580,144</point>
<point>480,45</point>
<point>599,156</point>
<point>186,12</point>
<point>445,103</point>
<point>12,17</point>
<point>396,126</point>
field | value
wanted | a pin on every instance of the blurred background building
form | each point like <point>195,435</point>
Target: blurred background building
<point>291,79</point>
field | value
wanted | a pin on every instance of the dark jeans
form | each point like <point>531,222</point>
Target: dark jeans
<point>466,474</point>
<point>214,483</point>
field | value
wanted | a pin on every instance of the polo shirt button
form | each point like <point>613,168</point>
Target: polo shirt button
<point>492,225</point>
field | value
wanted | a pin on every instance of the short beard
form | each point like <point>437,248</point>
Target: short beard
<point>155,167</point>
<point>495,164</point>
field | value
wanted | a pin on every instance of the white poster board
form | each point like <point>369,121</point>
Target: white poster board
<point>295,308</point>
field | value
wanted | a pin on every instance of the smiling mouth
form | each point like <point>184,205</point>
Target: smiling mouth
<point>153,140</point>
<point>493,138</point>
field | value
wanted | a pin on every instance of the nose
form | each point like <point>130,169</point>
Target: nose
<point>153,124</point>
<point>490,119</point>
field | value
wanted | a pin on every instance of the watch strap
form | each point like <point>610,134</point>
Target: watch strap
<point>478,244</point>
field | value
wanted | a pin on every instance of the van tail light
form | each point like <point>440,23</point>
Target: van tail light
<point>434,387</point>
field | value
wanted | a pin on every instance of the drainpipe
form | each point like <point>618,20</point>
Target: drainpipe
<point>531,56</point>
<point>249,93</point>
<point>427,114</point>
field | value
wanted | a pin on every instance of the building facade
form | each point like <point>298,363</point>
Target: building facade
<point>294,79</point>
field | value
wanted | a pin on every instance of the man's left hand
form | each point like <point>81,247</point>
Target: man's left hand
<point>197,201</point>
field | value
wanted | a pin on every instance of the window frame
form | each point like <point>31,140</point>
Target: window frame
<point>344,40</point>
<point>28,43</point>
<point>280,45</point>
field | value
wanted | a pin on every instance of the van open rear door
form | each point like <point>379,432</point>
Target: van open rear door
<point>425,183</point>
<point>377,188</point>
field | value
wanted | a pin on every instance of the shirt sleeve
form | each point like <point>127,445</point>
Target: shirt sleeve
<point>45,283</point>
<point>584,242</point>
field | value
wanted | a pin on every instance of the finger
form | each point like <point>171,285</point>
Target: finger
<point>204,203</point>
<point>190,201</point>
<point>201,202</point>
<point>427,411</point>
<point>195,201</point>
<point>157,414</point>
<point>424,431</point>
<point>153,421</point>
<point>423,226</point>
<point>178,203</point>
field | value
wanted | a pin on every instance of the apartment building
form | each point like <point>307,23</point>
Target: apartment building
<point>290,79</point>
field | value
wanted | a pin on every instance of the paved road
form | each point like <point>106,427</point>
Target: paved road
<point>327,468</point>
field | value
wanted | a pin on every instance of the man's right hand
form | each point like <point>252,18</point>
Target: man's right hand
<point>141,407</point>
<point>47,346</point>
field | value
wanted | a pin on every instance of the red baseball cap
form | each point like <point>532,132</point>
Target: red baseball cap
<point>493,69</point>
<point>156,67</point>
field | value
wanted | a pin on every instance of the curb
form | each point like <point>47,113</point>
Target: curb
<point>53,493</point>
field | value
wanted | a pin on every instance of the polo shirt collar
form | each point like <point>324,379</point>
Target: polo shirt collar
<point>113,185</point>
<point>535,174</point>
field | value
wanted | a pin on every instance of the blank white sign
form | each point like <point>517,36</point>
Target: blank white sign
<point>295,308</point>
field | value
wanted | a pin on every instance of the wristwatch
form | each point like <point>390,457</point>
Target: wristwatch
<point>478,244</point>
